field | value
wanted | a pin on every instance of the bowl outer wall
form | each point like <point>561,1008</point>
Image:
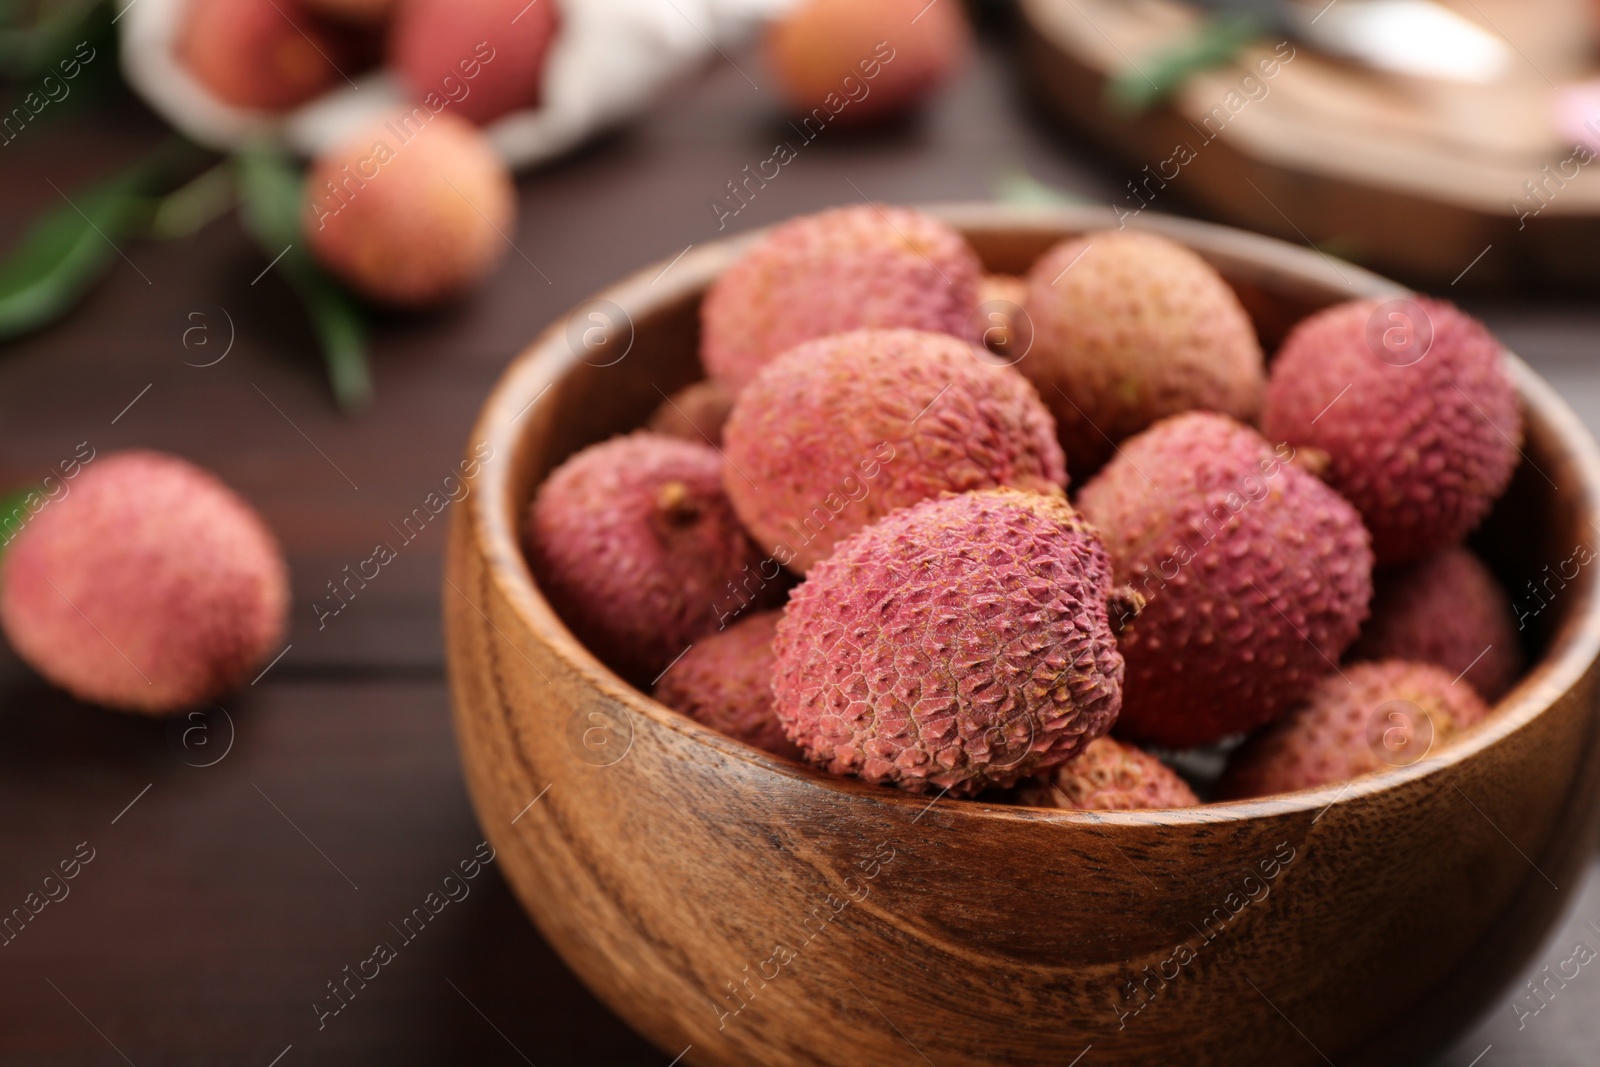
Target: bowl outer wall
<point>759,911</point>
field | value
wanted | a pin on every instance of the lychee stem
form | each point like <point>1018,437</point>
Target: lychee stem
<point>674,502</point>
<point>1314,461</point>
<point>1123,606</point>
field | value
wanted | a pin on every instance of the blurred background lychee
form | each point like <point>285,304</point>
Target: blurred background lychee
<point>151,587</point>
<point>411,211</point>
<point>486,56</point>
<point>265,54</point>
<point>864,62</point>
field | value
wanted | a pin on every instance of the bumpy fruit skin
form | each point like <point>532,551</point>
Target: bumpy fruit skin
<point>1422,450</point>
<point>1129,328</point>
<point>841,431</point>
<point>266,55</point>
<point>958,644</point>
<point>634,544</point>
<point>410,222</point>
<point>1375,716</point>
<point>1109,776</point>
<point>725,682</point>
<point>1447,610</point>
<point>694,413</point>
<point>847,62</point>
<point>845,269</point>
<point>151,587</point>
<point>486,57</point>
<point>1256,577</point>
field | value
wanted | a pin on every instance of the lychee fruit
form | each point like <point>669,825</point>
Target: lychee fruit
<point>842,430</point>
<point>1255,575</point>
<point>1109,776</point>
<point>482,59</point>
<point>845,269</point>
<point>1371,717</point>
<point>848,63</point>
<point>725,682</point>
<point>694,413</point>
<point>265,55</point>
<point>150,587</point>
<point>1411,401</point>
<point>635,545</point>
<point>410,213</point>
<point>1129,328</point>
<point>957,644</point>
<point>1447,610</point>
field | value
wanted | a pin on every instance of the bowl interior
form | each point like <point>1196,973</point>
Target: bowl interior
<point>567,394</point>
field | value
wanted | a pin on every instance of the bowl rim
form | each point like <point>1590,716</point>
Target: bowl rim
<point>494,523</point>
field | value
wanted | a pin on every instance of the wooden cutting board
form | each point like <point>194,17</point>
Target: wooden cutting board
<point>1440,183</point>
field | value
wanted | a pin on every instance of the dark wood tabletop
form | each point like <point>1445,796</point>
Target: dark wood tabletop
<point>240,861</point>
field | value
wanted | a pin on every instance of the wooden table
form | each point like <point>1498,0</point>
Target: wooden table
<point>230,883</point>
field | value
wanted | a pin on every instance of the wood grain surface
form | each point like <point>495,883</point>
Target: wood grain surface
<point>712,860</point>
<point>1419,176</point>
<point>214,911</point>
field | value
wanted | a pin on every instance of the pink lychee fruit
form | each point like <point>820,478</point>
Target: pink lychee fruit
<point>844,269</point>
<point>1255,575</point>
<point>725,682</point>
<point>150,587</point>
<point>410,213</point>
<point>265,55</point>
<point>1109,776</point>
<point>956,644</point>
<point>1411,400</point>
<point>481,59</point>
<point>845,62</point>
<point>1129,328</point>
<point>840,431</point>
<point>695,413</point>
<point>1371,717</point>
<point>1448,610</point>
<point>636,547</point>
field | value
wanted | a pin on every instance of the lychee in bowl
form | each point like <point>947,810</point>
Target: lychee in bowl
<point>737,908</point>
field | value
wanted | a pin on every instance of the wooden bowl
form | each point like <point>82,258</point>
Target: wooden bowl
<point>737,908</point>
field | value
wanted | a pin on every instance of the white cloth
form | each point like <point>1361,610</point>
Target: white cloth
<point>610,58</point>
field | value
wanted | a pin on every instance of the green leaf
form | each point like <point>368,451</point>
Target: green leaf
<point>68,248</point>
<point>13,516</point>
<point>1217,40</point>
<point>270,200</point>
<point>204,199</point>
<point>1017,186</point>
<point>270,205</point>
